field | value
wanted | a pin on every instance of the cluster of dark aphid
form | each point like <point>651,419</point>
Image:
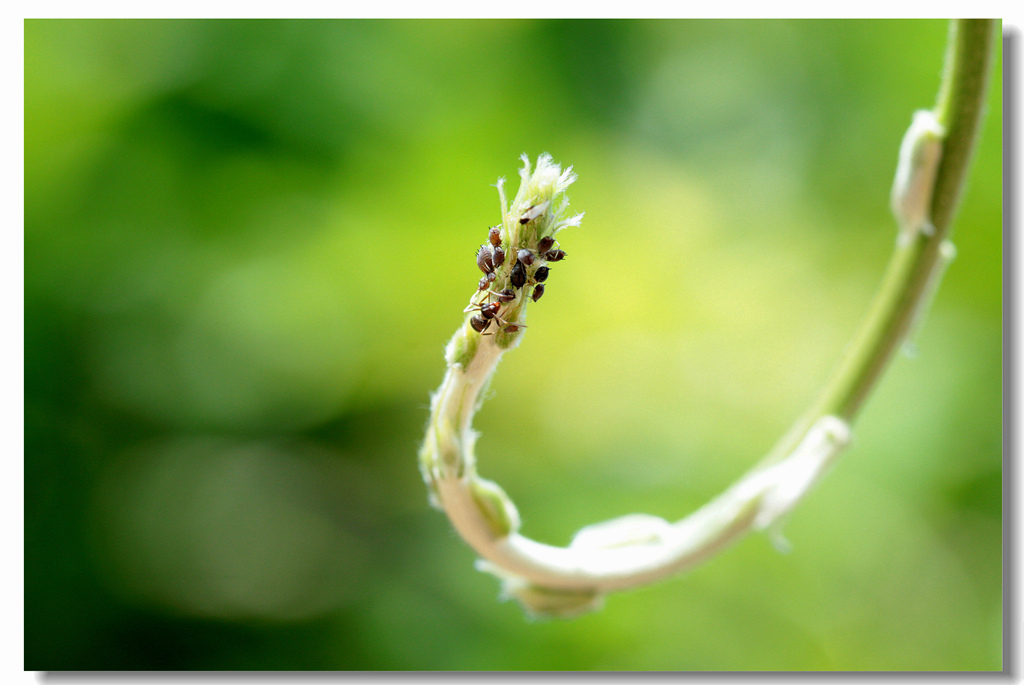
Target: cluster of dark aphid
<point>529,266</point>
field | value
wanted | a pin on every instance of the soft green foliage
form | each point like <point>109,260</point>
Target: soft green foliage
<point>246,242</point>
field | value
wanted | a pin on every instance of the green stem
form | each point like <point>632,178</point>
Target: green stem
<point>915,267</point>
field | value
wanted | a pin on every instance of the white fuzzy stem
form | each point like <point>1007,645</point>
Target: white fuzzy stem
<point>636,549</point>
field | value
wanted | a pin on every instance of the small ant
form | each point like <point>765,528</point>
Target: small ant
<point>488,312</point>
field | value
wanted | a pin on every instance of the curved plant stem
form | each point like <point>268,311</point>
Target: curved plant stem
<point>639,549</point>
<point>915,267</point>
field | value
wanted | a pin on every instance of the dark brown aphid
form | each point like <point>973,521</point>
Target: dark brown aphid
<point>518,275</point>
<point>525,256</point>
<point>499,257</point>
<point>545,244</point>
<point>541,274</point>
<point>538,290</point>
<point>494,235</point>
<point>513,327</point>
<point>483,283</point>
<point>506,295</point>
<point>554,255</point>
<point>483,259</point>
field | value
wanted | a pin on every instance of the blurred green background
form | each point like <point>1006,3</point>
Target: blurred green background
<point>246,243</point>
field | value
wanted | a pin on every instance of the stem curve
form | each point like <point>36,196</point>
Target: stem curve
<point>638,549</point>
